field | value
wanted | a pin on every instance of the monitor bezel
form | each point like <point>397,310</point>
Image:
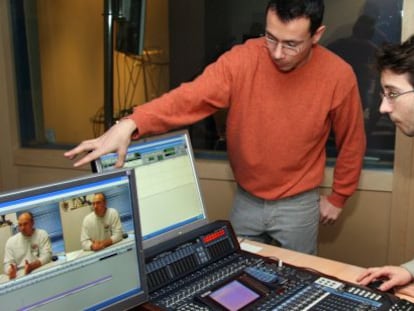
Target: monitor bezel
<point>174,233</point>
<point>129,302</point>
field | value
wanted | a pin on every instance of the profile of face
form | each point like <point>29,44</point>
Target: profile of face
<point>290,43</point>
<point>99,204</point>
<point>398,100</point>
<point>26,224</point>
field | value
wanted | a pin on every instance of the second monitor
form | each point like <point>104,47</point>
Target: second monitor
<point>170,201</point>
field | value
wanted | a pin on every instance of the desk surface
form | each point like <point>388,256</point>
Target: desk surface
<point>333,268</point>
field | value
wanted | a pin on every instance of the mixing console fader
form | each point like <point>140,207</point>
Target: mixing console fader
<point>206,270</point>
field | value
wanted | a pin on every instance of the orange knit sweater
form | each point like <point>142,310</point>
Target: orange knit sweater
<point>278,123</point>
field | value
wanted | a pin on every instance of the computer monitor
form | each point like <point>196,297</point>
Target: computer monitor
<point>72,278</point>
<point>169,196</point>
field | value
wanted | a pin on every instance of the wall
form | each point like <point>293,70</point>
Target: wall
<point>72,226</point>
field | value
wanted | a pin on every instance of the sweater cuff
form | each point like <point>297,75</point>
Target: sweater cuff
<point>409,266</point>
<point>135,134</point>
<point>337,199</point>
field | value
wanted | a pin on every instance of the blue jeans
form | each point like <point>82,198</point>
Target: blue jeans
<point>292,222</point>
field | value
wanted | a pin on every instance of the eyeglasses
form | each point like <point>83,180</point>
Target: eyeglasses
<point>289,48</point>
<point>392,95</point>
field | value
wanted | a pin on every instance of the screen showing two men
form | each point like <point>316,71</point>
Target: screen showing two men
<point>167,185</point>
<point>83,235</point>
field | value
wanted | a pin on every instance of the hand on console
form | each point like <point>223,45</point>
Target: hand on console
<point>385,278</point>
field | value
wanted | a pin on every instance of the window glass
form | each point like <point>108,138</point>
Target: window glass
<point>355,33</point>
<point>59,56</point>
<point>355,36</point>
<point>59,61</point>
<point>58,48</point>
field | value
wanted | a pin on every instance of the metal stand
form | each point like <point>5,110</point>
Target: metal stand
<point>108,64</point>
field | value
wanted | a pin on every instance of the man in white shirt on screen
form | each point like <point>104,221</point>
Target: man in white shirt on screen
<point>27,250</point>
<point>102,227</point>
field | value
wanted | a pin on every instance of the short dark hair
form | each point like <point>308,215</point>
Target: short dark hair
<point>102,194</point>
<point>288,10</point>
<point>398,58</point>
<point>28,213</point>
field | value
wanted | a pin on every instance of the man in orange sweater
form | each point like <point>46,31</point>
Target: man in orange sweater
<point>284,94</point>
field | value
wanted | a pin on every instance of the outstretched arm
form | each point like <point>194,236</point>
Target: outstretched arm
<point>116,139</point>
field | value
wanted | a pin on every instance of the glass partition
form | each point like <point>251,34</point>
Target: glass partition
<point>59,62</point>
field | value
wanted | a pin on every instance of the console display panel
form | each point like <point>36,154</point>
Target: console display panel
<point>234,296</point>
<point>48,225</point>
<point>170,202</point>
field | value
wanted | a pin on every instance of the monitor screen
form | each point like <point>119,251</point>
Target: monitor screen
<point>72,245</point>
<point>170,201</point>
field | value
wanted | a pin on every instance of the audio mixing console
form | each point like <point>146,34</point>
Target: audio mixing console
<point>207,270</point>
